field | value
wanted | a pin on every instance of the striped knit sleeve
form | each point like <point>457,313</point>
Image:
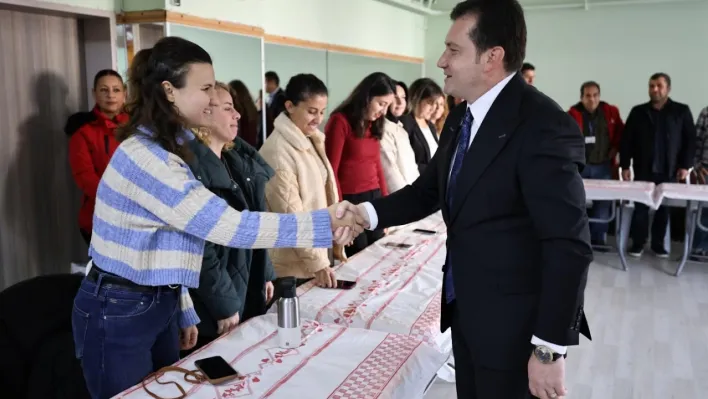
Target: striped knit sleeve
<point>188,316</point>
<point>163,185</point>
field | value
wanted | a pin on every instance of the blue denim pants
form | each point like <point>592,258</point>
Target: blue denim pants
<point>122,335</point>
<point>600,209</point>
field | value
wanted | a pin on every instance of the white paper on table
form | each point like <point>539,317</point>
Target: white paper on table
<point>333,362</point>
<point>637,191</point>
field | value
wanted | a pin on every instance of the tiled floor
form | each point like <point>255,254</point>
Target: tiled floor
<point>650,333</point>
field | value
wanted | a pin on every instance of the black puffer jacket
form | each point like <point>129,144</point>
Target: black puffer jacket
<point>231,280</point>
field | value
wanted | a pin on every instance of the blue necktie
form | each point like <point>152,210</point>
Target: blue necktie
<point>463,144</point>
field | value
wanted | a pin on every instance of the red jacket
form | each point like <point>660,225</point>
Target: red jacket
<point>356,162</point>
<point>615,126</point>
<point>90,149</point>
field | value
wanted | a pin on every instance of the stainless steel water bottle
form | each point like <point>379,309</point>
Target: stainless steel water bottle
<point>289,335</point>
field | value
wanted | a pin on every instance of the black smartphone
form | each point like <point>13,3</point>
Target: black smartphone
<point>426,232</point>
<point>345,285</point>
<point>398,245</point>
<point>216,369</point>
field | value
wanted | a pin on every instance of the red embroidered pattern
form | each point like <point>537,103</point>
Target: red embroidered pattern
<point>427,326</point>
<point>370,378</point>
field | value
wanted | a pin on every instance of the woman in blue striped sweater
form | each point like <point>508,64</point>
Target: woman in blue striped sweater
<point>133,312</point>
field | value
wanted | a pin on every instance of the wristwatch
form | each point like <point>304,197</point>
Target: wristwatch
<point>545,354</point>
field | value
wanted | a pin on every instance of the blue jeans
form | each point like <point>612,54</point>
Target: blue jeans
<point>121,336</point>
<point>600,209</point>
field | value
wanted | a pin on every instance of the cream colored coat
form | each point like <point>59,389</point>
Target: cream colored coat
<point>397,157</point>
<point>297,186</point>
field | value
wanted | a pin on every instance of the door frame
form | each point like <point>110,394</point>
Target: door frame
<point>94,23</point>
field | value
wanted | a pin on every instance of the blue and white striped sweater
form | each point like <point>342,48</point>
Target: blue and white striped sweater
<point>152,218</point>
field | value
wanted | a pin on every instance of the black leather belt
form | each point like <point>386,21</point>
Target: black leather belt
<point>110,279</point>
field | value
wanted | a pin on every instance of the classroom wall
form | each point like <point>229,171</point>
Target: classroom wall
<point>618,46</point>
<point>364,24</point>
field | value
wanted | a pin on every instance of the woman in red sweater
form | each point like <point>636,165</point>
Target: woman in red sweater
<point>92,146</point>
<point>352,145</point>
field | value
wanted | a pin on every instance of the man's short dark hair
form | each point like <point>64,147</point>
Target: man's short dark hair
<point>587,84</point>
<point>499,23</point>
<point>660,75</point>
<point>272,77</point>
<point>527,66</point>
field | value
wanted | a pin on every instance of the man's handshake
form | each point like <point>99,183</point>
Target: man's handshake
<point>348,221</point>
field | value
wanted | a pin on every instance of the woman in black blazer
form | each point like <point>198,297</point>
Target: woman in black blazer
<point>422,96</point>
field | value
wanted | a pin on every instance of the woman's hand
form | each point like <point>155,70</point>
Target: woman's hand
<point>346,221</point>
<point>188,337</point>
<point>325,278</point>
<point>339,254</point>
<point>269,290</point>
<point>225,325</point>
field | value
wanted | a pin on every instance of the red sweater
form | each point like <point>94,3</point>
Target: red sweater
<point>90,149</point>
<point>356,162</point>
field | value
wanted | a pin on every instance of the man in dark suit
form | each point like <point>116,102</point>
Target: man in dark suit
<point>506,176</point>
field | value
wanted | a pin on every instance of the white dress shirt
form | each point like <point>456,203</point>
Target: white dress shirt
<point>430,140</point>
<point>479,110</point>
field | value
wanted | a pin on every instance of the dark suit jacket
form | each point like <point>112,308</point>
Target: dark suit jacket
<point>421,150</point>
<point>638,139</point>
<point>518,234</point>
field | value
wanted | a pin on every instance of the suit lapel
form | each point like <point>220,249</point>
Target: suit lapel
<point>448,141</point>
<point>497,128</point>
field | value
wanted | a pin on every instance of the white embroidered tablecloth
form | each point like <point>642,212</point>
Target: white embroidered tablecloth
<point>334,362</point>
<point>637,191</point>
<point>397,290</point>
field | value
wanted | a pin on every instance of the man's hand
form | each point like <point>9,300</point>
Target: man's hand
<point>626,175</point>
<point>188,337</point>
<point>547,381</point>
<point>346,222</point>
<point>269,291</point>
<point>682,174</point>
<point>225,325</point>
<point>325,278</point>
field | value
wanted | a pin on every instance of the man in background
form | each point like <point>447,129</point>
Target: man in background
<point>602,126</point>
<point>528,71</point>
<point>276,96</point>
<point>658,141</point>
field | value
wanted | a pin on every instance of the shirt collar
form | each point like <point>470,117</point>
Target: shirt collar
<point>480,107</point>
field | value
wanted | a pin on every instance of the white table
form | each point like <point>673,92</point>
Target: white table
<point>334,362</point>
<point>619,192</point>
<point>694,196</point>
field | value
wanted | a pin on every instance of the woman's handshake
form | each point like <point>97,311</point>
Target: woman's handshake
<point>347,222</point>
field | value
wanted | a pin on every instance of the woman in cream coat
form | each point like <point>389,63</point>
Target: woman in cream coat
<point>303,176</point>
<point>397,155</point>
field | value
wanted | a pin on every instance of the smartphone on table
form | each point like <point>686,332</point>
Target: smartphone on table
<point>397,245</point>
<point>216,369</point>
<point>345,284</point>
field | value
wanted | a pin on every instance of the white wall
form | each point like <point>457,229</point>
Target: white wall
<point>619,47</point>
<point>364,24</point>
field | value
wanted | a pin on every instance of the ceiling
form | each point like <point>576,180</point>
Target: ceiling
<point>447,5</point>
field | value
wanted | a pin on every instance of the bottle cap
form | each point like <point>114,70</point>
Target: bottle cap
<point>287,287</point>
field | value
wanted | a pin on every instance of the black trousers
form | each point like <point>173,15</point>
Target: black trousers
<point>366,238</point>
<point>475,381</point>
<point>639,229</point>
